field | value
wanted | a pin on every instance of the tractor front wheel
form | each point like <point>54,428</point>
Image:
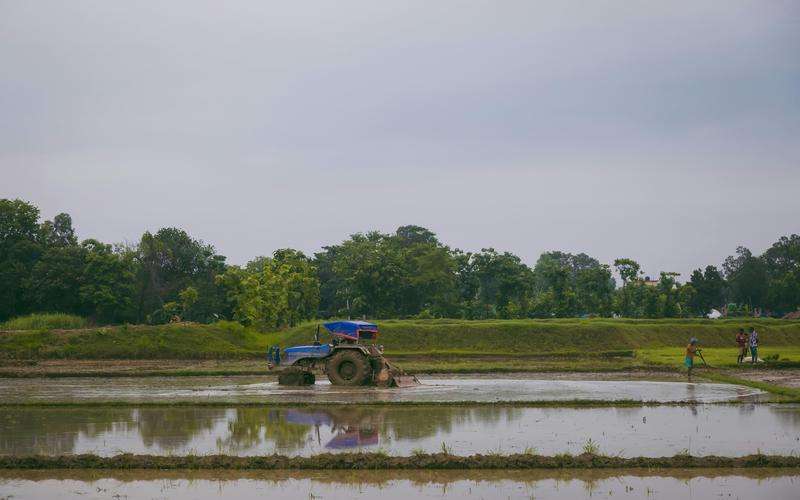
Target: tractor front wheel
<point>349,367</point>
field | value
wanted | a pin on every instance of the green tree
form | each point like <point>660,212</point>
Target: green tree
<point>570,285</point>
<point>388,275</point>
<point>107,287</point>
<point>273,292</point>
<point>782,266</point>
<point>595,290</point>
<point>169,262</point>
<point>55,280</point>
<point>628,269</point>
<point>709,290</point>
<point>19,250</point>
<point>747,278</point>
<point>504,284</point>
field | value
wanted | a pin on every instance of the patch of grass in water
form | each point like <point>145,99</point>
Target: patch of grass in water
<point>591,447</point>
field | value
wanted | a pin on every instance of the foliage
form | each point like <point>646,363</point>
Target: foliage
<point>782,262</point>
<point>709,290</point>
<point>747,278</point>
<point>168,275</point>
<point>19,251</point>
<point>169,262</point>
<point>572,285</point>
<point>273,292</point>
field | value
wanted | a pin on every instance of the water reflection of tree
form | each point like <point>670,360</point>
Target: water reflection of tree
<point>419,423</point>
<point>787,414</point>
<point>173,428</point>
<point>55,430</point>
<point>290,429</point>
<point>253,427</point>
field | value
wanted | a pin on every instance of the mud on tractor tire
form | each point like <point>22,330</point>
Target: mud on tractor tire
<point>296,376</point>
<point>349,367</point>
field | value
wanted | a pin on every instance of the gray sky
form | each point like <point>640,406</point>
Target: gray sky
<point>668,132</point>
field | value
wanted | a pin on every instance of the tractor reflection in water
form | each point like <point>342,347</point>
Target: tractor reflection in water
<point>351,429</point>
<point>350,359</point>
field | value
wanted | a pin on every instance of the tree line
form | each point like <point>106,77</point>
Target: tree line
<point>168,275</point>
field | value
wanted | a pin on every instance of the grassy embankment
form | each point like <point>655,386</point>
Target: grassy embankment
<point>420,345</point>
<point>44,321</point>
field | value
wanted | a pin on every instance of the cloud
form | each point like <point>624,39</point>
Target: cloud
<point>666,132</point>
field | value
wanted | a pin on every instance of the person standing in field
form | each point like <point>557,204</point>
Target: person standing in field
<point>688,360</point>
<point>753,345</point>
<point>741,341</point>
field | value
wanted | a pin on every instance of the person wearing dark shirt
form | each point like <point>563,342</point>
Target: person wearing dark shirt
<point>741,341</point>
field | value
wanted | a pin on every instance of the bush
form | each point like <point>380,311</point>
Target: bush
<point>44,321</point>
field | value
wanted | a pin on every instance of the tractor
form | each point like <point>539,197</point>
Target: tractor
<point>348,359</point>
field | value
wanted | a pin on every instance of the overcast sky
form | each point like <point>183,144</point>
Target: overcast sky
<point>668,132</point>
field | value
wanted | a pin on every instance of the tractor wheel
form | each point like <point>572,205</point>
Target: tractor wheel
<point>349,367</point>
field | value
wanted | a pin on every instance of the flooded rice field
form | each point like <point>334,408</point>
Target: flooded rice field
<point>726,430</point>
<point>775,484</point>
<point>438,389</point>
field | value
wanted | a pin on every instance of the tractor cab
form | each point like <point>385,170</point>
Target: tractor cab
<point>352,332</point>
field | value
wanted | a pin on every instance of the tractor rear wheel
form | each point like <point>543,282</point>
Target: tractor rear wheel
<point>349,367</point>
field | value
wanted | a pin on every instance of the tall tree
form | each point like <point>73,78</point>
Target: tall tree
<point>747,277</point>
<point>273,292</point>
<point>107,290</point>
<point>782,263</point>
<point>709,290</point>
<point>628,269</point>
<point>19,249</point>
<point>169,262</point>
<point>569,285</point>
<point>504,284</point>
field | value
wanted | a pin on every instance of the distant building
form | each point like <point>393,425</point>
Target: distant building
<point>649,282</point>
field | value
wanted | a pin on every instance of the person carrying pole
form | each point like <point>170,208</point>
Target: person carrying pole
<point>741,341</point>
<point>688,360</point>
<point>753,345</point>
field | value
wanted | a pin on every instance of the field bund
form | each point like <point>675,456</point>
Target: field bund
<point>567,338</point>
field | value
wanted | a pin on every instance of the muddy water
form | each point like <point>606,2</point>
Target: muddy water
<point>389,485</point>
<point>448,389</point>
<point>728,430</point>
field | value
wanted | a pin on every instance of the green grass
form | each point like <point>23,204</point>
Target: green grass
<point>44,321</point>
<point>223,340</point>
<point>723,357</point>
<point>568,341</point>
<point>585,336</point>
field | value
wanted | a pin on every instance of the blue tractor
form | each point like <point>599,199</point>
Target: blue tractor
<point>351,358</point>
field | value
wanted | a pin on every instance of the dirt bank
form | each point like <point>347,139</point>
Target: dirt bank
<point>381,461</point>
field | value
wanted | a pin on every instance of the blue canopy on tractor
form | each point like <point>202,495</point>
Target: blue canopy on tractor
<point>352,329</point>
